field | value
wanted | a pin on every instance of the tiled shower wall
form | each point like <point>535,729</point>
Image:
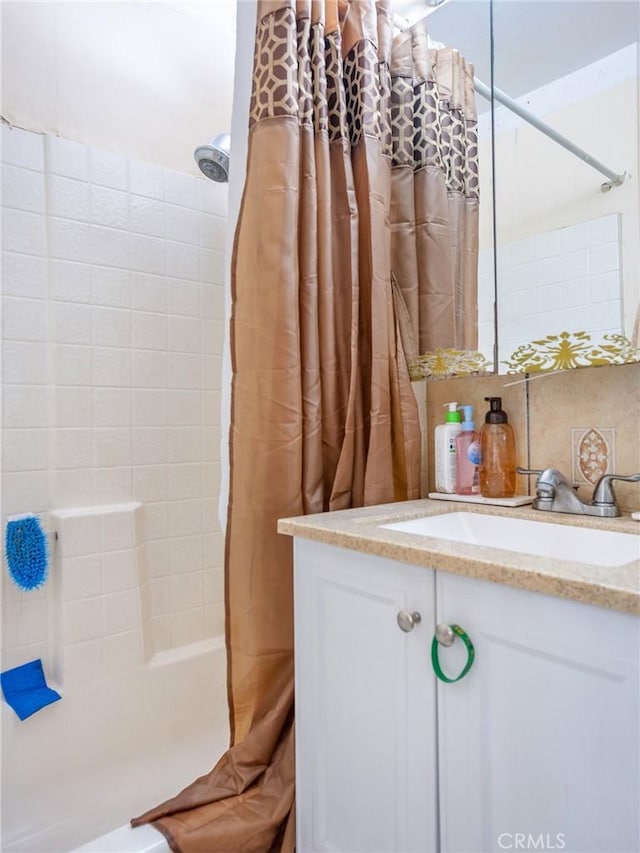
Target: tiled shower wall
<point>112,328</point>
<point>565,279</point>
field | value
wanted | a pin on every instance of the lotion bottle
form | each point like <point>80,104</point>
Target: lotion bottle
<point>445,450</point>
<point>497,453</point>
<point>467,456</point>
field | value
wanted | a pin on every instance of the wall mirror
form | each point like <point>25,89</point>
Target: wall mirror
<point>465,26</point>
<point>558,256</point>
<point>567,236</point>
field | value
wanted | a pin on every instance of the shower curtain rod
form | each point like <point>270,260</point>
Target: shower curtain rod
<point>615,179</point>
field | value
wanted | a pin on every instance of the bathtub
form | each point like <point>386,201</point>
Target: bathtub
<point>82,767</point>
<point>125,839</point>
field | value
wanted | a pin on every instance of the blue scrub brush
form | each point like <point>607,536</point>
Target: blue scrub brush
<point>26,551</point>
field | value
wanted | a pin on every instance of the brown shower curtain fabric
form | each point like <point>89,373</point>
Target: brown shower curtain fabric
<point>323,414</point>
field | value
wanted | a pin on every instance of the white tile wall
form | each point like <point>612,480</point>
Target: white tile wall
<point>108,170</point>
<point>563,280</point>
<point>113,275</point>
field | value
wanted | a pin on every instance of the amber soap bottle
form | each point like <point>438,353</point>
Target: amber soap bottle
<point>497,470</point>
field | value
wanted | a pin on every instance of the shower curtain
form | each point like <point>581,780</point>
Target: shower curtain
<point>323,415</point>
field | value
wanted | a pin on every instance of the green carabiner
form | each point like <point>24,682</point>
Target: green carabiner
<point>471,654</point>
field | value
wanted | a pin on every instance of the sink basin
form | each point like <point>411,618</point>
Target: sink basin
<point>562,542</point>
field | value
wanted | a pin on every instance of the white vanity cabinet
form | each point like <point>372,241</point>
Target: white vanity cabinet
<point>537,747</point>
<point>365,704</point>
<point>542,738</point>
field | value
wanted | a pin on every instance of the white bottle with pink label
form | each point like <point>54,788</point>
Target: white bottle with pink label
<point>467,456</point>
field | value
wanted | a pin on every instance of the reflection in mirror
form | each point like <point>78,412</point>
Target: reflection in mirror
<point>567,252</point>
<point>465,26</point>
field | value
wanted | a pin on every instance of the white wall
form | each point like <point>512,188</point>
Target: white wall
<point>150,80</point>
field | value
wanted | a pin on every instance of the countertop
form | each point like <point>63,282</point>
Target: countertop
<point>617,588</point>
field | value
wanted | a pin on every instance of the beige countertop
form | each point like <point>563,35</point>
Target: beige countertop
<point>617,588</point>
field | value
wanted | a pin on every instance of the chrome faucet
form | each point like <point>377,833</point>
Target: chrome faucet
<point>554,493</point>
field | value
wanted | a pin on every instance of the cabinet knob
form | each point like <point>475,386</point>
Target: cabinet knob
<point>407,621</point>
<point>445,635</point>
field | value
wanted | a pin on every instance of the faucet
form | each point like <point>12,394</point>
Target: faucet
<point>554,493</point>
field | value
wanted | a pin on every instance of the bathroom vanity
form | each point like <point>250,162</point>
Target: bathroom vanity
<point>540,738</point>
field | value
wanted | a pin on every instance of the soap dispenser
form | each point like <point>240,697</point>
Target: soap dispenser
<point>445,450</point>
<point>467,456</point>
<point>497,453</point>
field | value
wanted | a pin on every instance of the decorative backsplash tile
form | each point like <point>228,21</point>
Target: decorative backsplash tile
<point>592,454</point>
<point>558,422</point>
<point>581,416</point>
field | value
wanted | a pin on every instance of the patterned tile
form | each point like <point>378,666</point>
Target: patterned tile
<point>592,454</point>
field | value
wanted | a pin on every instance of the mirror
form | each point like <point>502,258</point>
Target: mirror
<point>567,252</point>
<point>466,26</point>
<point>562,255</point>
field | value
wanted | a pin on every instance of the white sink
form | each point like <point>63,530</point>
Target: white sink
<point>560,541</point>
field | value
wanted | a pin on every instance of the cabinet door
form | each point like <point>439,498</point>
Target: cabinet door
<point>365,704</point>
<point>538,744</point>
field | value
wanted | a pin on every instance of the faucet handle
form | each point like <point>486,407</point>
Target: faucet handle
<point>603,494</point>
<point>549,477</point>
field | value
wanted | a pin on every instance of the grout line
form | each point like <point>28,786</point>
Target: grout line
<point>527,410</point>
<point>54,591</point>
<point>529,378</point>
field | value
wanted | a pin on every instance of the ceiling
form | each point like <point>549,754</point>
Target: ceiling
<point>535,41</point>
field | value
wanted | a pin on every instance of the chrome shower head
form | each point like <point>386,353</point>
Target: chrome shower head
<point>213,158</point>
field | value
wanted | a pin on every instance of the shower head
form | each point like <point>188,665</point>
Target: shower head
<point>213,158</point>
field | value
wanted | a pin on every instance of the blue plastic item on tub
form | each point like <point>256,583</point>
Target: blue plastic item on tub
<point>25,688</point>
